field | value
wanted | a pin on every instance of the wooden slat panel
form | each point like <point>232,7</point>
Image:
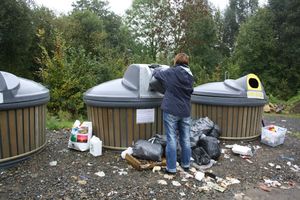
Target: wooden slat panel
<point>240,127</point>
<point>142,129</point>
<point>100,123</point>
<point>214,113</point>
<point>20,131</point>
<point>105,127</point>
<point>130,127</point>
<point>44,114</point>
<point>123,126</point>
<point>117,131</point>
<point>229,122</point>
<point>32,133</point>
<point>235,122</point>
<point>111,127</point>
<point>244,122</point>
<point>219,117</point>
<point>26,129</point>
<point>36,127</point>
<point>194,110</point>
<point>12,133</point>
<point>4,135</point>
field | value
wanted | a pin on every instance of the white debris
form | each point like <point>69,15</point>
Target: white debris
<point>156,169</point>
<point>112,193</point>
<point>199,176</point>
<point>101,174</point>
<point>176,183</point>
<point>271,164</point>
<point>226,156</point>
<point>127,151</point>
<point>162,182</point>
<point>122,173</point>
<point>231,181</point>
<point>278,167</point>
<point>182,194</point>
<point>271,183</point>
<point>53,163</point>
<point>242,150</point>
<point>229,146</point>
<point>289,163</point>
<point>169,177</point>
<point>89,164</point>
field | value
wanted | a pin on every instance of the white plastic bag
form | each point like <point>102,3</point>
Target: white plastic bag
<point>80,136</point>
<point>95,146</point>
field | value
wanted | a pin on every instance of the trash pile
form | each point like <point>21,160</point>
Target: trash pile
<point>273,108</point>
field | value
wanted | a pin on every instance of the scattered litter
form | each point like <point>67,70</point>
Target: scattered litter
<point>271,183</point>
<point>95,146</point>
<point>203,167</point>
<point>264,187</point>
<point>278,167</point>
<point>242,150</point>
<point>286,158</point>
<point>249,161</point>
<point>169,177</point>
<point>162,182</point>
<point>176,183</point>
<point>127,151</point>
<point>184,180</point>
<point>231,181</point>
<point>273,135</point>
<point>156,169</point>
<point>199,176</point>
<point>295,168</point>
<point>239,196</point>
<point>112,193</point>
<point>80,136</point>
<point>229,146</point>
<point>271,164</point>
<point>215,186</point>
<point>226,156</point>
<point>289,163</point>
<point>82,182</point>
<point>182,194</point>
<point>123,173</point>
<point>53,163</point>
<point>101,174</point>
<point>266,168</point>
<point>89,164</point>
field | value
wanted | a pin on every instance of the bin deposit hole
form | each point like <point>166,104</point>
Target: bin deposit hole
<point>253,83</point>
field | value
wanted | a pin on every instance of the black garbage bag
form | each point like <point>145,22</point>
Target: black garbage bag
<point>215,132</point>
<point>194,138</point>
<point>159,139</point>
<point>200,156</point>
<point>211,146</point>
<point>146,150</point>
<point>202,126</point>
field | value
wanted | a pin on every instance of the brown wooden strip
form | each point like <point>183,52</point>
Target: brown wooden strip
<point>244,122</point>
<point>26,129</point>
<point>95,121</point>
<point>142,129</point>
<point>240,122</point>
<point>130,127</point>
<point>111,127</point>
<point>36,127</point>
<point>117,131</point>
<point>4,135</point>
<point>105,127</point>
<point>32,133</point>
<point>20,131</point>
<point>123,127</point>
<point>12,133</point>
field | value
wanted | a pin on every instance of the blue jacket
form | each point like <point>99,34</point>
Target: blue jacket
<point>178,84</point>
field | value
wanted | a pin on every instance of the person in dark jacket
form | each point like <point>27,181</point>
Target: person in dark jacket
<point>176,106</point>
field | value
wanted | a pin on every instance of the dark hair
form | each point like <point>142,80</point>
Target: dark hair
<point>181,58</point>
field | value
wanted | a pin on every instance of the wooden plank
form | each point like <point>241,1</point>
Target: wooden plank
<point>117,131</point>
<point>105,126</point>
<point>130,127</point>
<point>20,131</point>
<point>26,129</point>
<point>111,127</point>
<point>12,133</point>
<point>235,132</point>
<point>219,116</point>
<point>229,122</point>
<point>95,121</point>
<point>224,123</point>
<point>100,123</point>
<point>44,114</point>
<point>244,122</point>
<point>36,127</point>
<point>4,135</point>
<point>32,133</point>
<point>123,127</point>
<point>240,128</point>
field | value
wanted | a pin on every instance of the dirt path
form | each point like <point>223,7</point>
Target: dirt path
<point>74,175</point>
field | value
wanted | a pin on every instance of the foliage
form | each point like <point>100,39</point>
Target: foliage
<point>55,123</point>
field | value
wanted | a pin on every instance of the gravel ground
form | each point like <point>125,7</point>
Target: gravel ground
<point>74,175</point>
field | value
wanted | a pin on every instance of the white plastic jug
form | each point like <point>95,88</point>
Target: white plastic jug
<point>95,146</point>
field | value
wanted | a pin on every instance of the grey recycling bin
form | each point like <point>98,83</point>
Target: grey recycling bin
<point>22,118</point>
<point>126,109</point>
<point>235,105</point>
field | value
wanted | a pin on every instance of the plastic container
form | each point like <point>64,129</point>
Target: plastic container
<point>22,118</point>
<point>273,135</point>
<point>235,105</point>
<point>95,146</point>
<point>127,109</point>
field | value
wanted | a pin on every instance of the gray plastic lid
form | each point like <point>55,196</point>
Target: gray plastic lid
<point>130,91</point>
<point>245,91</point>
<point>16,92</point>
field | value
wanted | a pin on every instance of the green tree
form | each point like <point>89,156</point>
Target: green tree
<point>16,35</point>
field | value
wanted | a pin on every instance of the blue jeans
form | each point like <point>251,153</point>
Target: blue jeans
<point>171,124</point>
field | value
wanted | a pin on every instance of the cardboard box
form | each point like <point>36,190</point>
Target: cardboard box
<point>273,135</point>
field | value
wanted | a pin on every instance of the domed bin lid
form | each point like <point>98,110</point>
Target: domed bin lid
<point>245,91</point>
<point>130,91</point>
<point>16,92</point>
